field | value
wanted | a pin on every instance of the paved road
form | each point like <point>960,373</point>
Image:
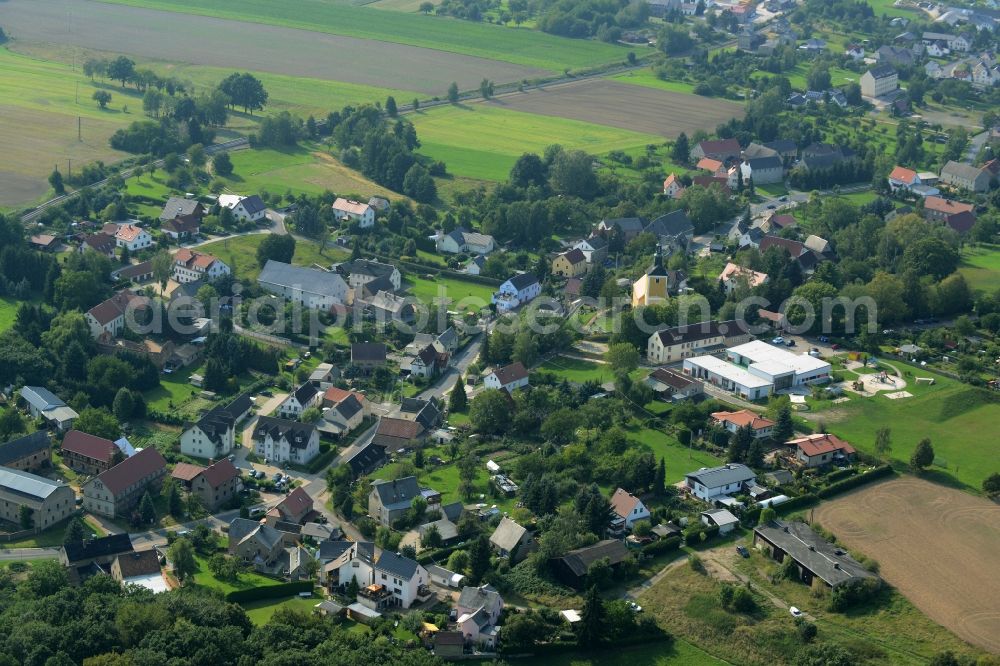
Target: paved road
<point>28,554</point>
<point>976,144</point>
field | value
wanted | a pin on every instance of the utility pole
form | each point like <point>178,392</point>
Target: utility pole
<point>77,92</point>
<point>79,128</point>
<point>69,167</point>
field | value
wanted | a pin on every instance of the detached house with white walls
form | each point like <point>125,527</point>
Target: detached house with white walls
<point>627,509</point>
<point>461,240</point>
<point>516,291</point>
<point>247,209</point>
<point>280,440</point>
<point>509,377</point>
<point>354,211</point>
<point>132,237</point>
<point>214,434</point>
<point>191,266</point>
<point>299,400</point>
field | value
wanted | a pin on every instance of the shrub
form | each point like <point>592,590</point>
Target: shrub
<point>807,630</point>
<point>853,482</point>
<point>853,592</point>
<point>270,591</point>
<point>666,545</point>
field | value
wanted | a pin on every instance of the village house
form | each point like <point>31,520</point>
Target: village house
<point>323,376</point>
<point>362,271</point>
<point>708,483</point>
<point>475,265</point>
<point>41,403</point>
<point>735,277</point>
<point>902,178</point>
<point>516,291</point>
<point>245,209</point>
<point>595,249</point>
<point>814,556</point>
<point>387,580</point>
<point>280,440</point>
<point>44,242</point>
<point>48,502</point>
<point>570,263</point>
<point>625,227</point>
<point>461,240</point>
<point>733,421</point>
<point>89,455</point>
<point>27,454</point>
<point>626,510</point>
<point>393,434</point>
<point>313,288</point>
<point>354,211</point>
<point>214,434</point>
<point>677,343</point>
<point>721,149</point>
<point>299,400</point>
<point>100,243</point>
<point>424,412</point>
<point>214,485</point>
<point>191,266</point>
<point>672,186</point>
<point>573,567</point>
<point>108,317</point>
<point>957,215</point>
<point>140,568</point>
<point>182,227</point>
<point>721,518</point>
<point>294,508</point>
<point>509,539</point>
<point>966,177</point>
<point>389,501</point>
<point>136,273</point>
<point>478,612</point>
<point>255,543</point>
<point>879,80</point>
<point>671,386</point>
<point>181,207</point>
<point>821,449</point>
<point>132,237</point>
<point>387,307</point>
<point>367,356</point>
<point>509,377</point>
<point>425,363</point>
<point>115,492</point>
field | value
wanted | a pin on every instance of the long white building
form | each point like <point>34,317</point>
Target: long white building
<point>756,369</point>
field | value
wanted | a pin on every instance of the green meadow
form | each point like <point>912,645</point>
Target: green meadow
<point>648,79</point>
<point>484,142</point>
<point>522,46</point>
<point>240,253</point>
<point>981,266</point>
<point>8,313</point>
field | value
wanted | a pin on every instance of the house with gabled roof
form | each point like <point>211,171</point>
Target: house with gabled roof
<point>389,501</point>
<point>281,440</point>
<point>216,484</point>
<point>48,502</point>
<point>734,276</point>
<point>100,243</point>
<point>733,421</point>
<point>295,507</point>
<point>956,214</point>
<point>362,271</point>
<point>879,80</point>
<point>570,263</point>
<point>516,291</point>
<point>108,317</point>
<point>573,567</point>
<point>509,377</point>
<point>509,539</point>
<point>388,307</point>
<point>368,355</point>
<point>28,454</point>
<point>299,400</point>
<point>673,229</point>
<point>813,555</point>
<point>132,237</point>
<point>424,412</point>
<point>671,386</point>
<point>88,454</point>
<point>191,266</point>
<point>477,613</point>
<point>393,434</point>
<point>182,207</point>
<point>460,240</point>
<point>367,459</point>
<point>672,186</point>
<point>182,227</point>
<point>141,568</point>
<point>719,149</point>
<point>44,404</point>
<point>214,434</point>
<point>115,492</point>
<point>627,227</point>
<point>343,415</point>
<point>820,449</point>
<point>901,178</point>
<point>313,288</point>
<point>966,177</point>
<point>354,211</point>
<point>594,248</point>
<point>100,551</point>
<point>246,209</point>
<point>709,483</point>
<point>138,273</point>
<point>627,509</point>
<point>679,342</point>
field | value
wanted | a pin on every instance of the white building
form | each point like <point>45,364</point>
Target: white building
<point>281,441</point>
<point>628,508</point>
<point>247,209</point>
<point>728,377</point>
<point>510,377</point>
<point>477,614</point>
<point>299,400</point>
<point>721,518</point>
<point>109,317</point>
<point>132,237</point>
<point>756,369</point>
<point>879,80</point>
<point>516,291</point>
<point>214,434</point>
<point>355,211</point>
<point>462,240</point>
<point>709,483</point>
<point>313,288</point>
<point>43,403</point>
<point>191,266</point>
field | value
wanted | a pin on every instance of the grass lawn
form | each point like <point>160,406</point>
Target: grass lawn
<point>888,8</point>
<point>677,459</point>
<point>861,198</point>
<point>173,391</point>
<point>50,538</point>
<point>8,312</point>
<point>484,142</point>
<point>577,370</point>
<point>476,296</point>
<point>247,580</point>
<point>954,416</point>
<point>980,266</point>
<point>521,46</point>
<point>797,76</point>
<point>302,170</point>
<point>772,190</point>
<point>648,79</point>
<point>240,252</point>
<point>260,612</point>
<point>653,654</point>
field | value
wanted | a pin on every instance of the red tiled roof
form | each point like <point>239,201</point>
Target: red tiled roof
<point>336,395</point>
<point>295,503</point>
<point>783,221</point>
<point>126,473</point>
<point>89,446</point>
<point>622,503</point>
<point>128,232</point>
<point>903,175</point>
<point>742,418</point>
<point>186,471</point>
<point>709,164</point>
<point>794,247</point>
<point>511,373</point>
<point>946,206</point>
<point>400,428</point>
<point>221,472</point>
<point>720,146</point>
<point>815,445</point>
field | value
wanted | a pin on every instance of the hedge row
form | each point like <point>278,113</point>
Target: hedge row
<point>662,546</point>
<point>796,503</point>
<point>695,531</point>
<point>438,270</point>
<point>854,481</point>
<point>270,591</point>
<point>840,475</point>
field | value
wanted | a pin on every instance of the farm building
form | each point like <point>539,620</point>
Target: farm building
<point>814,556</point>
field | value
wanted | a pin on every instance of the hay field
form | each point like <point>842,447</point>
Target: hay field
<point>939,546</point>
<point>232,44</point>
<point>632,107</point>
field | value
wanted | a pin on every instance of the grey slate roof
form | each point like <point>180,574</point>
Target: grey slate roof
<point>714,477</point>
<point>697,332</point>
<point>27,484</point>
<point>253,204</point>
<point>41,398</point>
<point>507,534</point>
<point>961,170</point>
<point>297,434</point>
<point>398,493</point>
<point>331,550</point>
<point>309,280</point>
<point>397,565</point>
<point>24,446</point>
<point>367,267</point>
<point>882,71</point>
<point>305,393</point>
<point>763,163</point>
<point>826,560</point>
<point>674,223</point>
<point>113,544</point>
<point>178,206</point>
<point>483,596</point>
<point>578,561</point>
<point>627,224</point>
<point>523,280</point>
<point>367,458</point>
<point>452,511</point>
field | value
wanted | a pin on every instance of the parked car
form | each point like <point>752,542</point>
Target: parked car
<point>778,341</point>
<point>789,343</point>
<point>795,611</point>
<point>742,551</point>
<point>636,608</point>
